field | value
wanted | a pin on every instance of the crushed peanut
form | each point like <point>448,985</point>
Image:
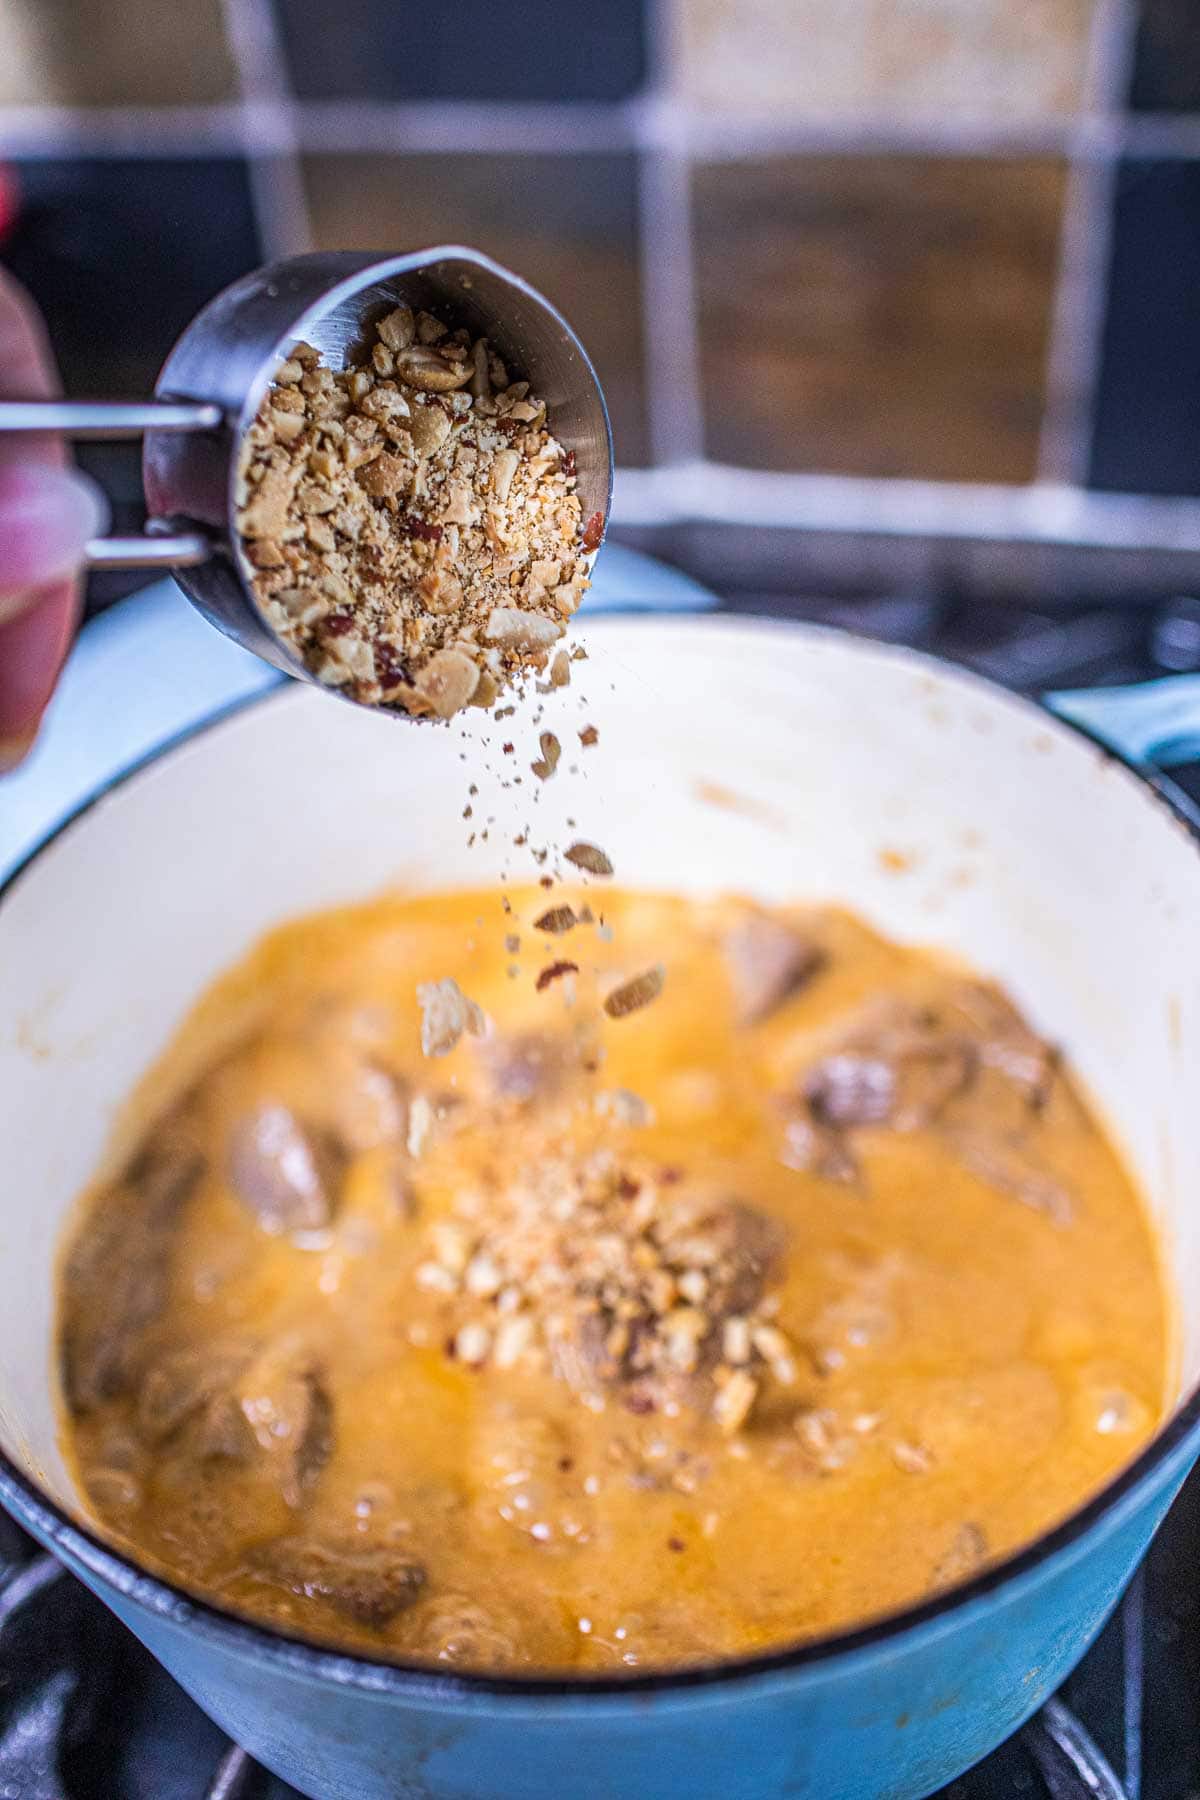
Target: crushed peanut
<point>914,1459</point>
<point>631,996</point>
<point>557,919</point>
<point>619,1284</point>
<point>734,1398</point>
<point>623,1106</point>
<point>548,761</point>
<point>472,1343</point>
<point>446,1013</point>
<point>411,522</point>
<point>588,857</point>
<point>554,972</point>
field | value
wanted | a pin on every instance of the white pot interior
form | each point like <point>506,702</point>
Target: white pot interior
<point>778,761</point>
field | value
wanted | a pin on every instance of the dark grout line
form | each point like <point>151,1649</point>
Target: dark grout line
<point>1077,325</point>
<point>276,177</point>
<point>275,122</point>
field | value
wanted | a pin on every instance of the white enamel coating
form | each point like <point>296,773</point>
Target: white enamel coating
<point>775,760</point>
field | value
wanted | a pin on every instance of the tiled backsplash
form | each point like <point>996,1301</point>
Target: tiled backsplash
<point>903,59</point>
<point>876,315</point>
<point>539,50</point>
<point>886,285</point>
<point>1148,413</point>
<point>1166,73</point>
<point>114,53</point>
<point>567,221</point>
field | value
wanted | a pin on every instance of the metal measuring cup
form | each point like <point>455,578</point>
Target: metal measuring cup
<point>212,384</point>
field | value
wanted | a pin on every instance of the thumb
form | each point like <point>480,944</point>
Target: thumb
<point>47,514</point>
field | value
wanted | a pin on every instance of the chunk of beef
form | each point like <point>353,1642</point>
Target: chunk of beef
<point>368,1584</point>
<point>1008,1045</point>
<point>285,1402</point>
<point>935,1057</point>
<point>1006,1164</point>
<point>529,1067</point>
<point>458,1630</point>
<point>976,1074</point>
<point>315,1445</point>
<point>183,1386</point>
<point>751,1249</point>
<point>220,1432</point>
<point>117,1273</point>
<point>524,1463</point>
<point>768,962</point>
<point>897,1066</point>
<point>368,1106</point>
<point>359,1099</point>
<point>928,1064</point>
<point>331,1022</point>
<point>282,1173</point>
<point>851,1089</point>
<point>818,1149</point>
<point>579,1353</point>
<point>512,1448</point>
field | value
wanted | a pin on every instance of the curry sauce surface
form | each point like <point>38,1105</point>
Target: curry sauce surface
<point>952,1274</point>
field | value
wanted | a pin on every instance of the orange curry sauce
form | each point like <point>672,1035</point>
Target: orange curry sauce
<point>602,1343</point>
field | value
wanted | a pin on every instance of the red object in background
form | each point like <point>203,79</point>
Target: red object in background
<point>10,200</point>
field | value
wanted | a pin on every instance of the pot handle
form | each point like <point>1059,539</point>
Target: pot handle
<point>1146,722</point>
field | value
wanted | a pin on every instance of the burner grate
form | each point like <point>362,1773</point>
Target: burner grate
<point>236,1778</point>
<point>1070,1761</point>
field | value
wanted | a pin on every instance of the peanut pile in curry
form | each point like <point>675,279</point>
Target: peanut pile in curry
<point>760,1300</point>
<point>410,522</point>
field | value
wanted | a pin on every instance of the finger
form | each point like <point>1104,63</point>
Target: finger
<point>26,363</point>
<point>27,371</point>
<point>47,515</point>
<point>32,648</point>
<point>43,528</point>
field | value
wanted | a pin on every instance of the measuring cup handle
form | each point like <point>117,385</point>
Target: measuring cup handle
<point>159,549</point>
<point>107,418</point>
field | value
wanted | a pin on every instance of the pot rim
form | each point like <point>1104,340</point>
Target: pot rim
<point>164,1598</point>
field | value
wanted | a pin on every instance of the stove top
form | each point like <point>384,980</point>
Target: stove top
<point>86,1714</point>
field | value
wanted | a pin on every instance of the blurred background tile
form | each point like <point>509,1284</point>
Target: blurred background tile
<point>877,315</point>
<point>1166,71</point>
<point>807,59</point>
<point>1147,432</point>
<point>119,255</point>
<point>569,223</point>
<point>886,314</point>
<point>534,50</point>
<point>113,53</point>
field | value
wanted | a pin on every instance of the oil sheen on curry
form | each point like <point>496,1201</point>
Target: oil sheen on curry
<point>601,1343</point>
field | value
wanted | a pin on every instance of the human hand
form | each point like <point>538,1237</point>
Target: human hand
<point>47,513</point>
